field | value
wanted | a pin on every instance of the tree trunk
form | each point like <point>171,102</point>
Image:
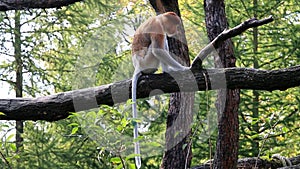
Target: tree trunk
<point>227,100</point>
<point>19,77</point>
<point>178,152</point>
<point>255,102</point>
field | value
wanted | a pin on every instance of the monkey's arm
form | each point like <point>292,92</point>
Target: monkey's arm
<point>157,48</point>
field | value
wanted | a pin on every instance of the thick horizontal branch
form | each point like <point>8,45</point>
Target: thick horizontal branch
<point>6,5</point>
<point>59,106</point>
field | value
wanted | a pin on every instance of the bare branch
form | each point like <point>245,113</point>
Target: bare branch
<point>226,34</point>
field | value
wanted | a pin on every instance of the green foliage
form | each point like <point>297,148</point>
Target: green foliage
<point>268,120</point>
<point>88,44</point>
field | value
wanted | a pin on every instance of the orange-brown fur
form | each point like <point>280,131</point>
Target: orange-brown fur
<point>153,29</point>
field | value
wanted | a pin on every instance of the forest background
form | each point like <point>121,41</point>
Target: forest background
<point>86,44</point>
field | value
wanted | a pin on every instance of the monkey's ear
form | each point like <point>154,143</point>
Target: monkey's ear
<point>171,13</point>
<point>172,18</point>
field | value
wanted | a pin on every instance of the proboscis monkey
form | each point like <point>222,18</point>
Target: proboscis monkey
<point>149,50</point>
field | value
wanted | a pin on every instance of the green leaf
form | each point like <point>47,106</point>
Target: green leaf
<point>116,160</point>
<point>285,129</point>
<point>129,102</point>
<point>255,136</point>
<point>10,137</point>
<point>13,147</point>
<point>73,115</point>
<point>254,121</point>
<point>131,165</point>
<point>74,130</point>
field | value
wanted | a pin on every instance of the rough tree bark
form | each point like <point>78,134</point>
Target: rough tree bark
<point>177,149</point>
<point>227,103</point>
<point>19,77</point>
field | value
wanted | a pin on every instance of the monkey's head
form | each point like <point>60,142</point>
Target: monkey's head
<point>171,21</point>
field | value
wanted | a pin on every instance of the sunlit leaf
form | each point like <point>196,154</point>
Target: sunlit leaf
<point>116,160</point>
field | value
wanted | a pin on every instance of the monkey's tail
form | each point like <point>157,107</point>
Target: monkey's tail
<point>134,115</point>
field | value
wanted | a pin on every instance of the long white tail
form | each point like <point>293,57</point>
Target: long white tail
<point>134,115</point>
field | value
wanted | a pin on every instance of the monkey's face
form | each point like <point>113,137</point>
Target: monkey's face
<point>171,30</point>
<point>171,23</point>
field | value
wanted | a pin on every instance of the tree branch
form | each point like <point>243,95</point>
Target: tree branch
<point>226,34</point>
<point>59,106</point>
<point>6,5</point>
